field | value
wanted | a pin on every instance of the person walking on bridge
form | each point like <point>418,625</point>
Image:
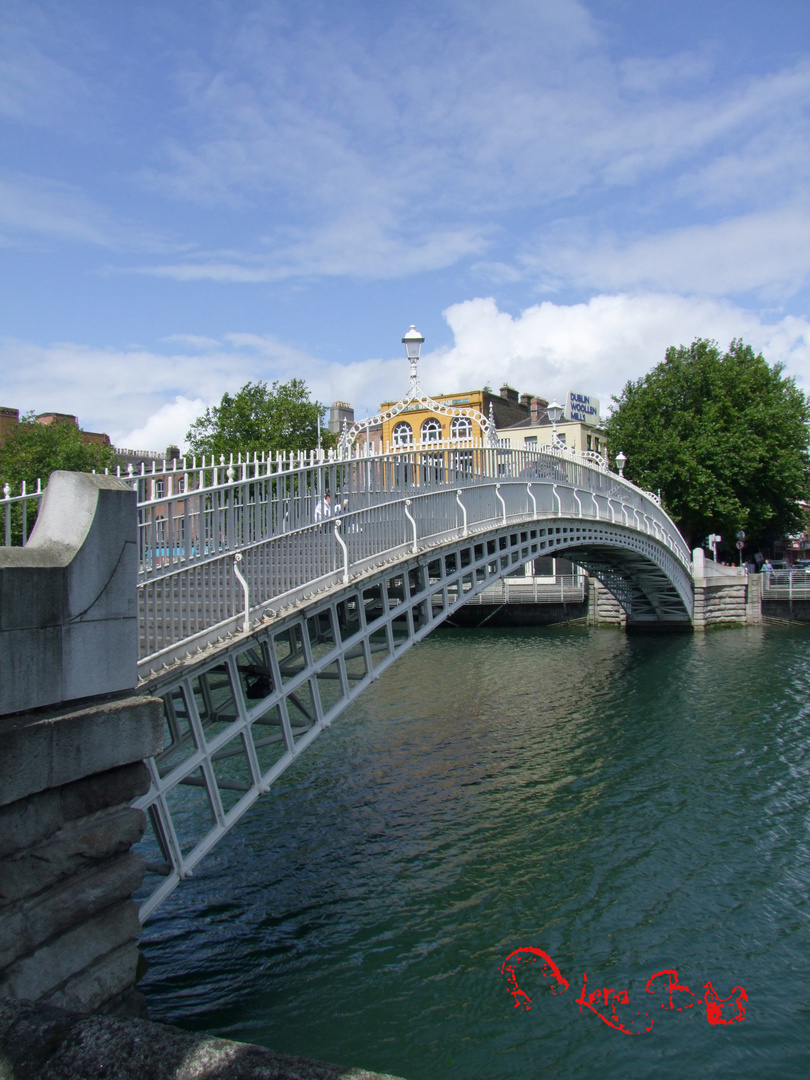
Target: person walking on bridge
<point>324,508</point>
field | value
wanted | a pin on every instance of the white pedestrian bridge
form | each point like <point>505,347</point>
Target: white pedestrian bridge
<point>262,615</point>
<point>263,611</point>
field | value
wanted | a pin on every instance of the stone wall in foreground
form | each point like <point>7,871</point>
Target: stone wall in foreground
<point>40,1043</point>
<point>68,925</point>
<point>73,739</point>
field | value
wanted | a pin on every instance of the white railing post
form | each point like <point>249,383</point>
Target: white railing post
<point>503,504</point>
<point>463,510</point>
<point>534,501</point>
<point>345,550</point>
<point>409,516</point>
<point>245,589</point>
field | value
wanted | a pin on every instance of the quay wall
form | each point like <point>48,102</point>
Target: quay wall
<point>68,925</point>
<point>73,739</point>
<point>723,597</point>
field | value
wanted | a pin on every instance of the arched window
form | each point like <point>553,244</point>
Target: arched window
<point>402,435</point>
<point>461,427</point>
<point>431,430</point>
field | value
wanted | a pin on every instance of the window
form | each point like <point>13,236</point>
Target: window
<point>530,442</point>
<point>597,446</point>
<point>431,430</point>
<point>461,427</point>
<point>160,489</point>
<point>561,437</point>
<point>402,435</point>
<point>589,443</point>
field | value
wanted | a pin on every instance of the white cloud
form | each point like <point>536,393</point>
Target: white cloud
<point>39,207</point>
<point>32,204</point>
<point>208,271</point>
<point>166,427</point>
<point>193,341</point>
<point>35,87</point>
<point>765,251</point>
<point>596,347</point>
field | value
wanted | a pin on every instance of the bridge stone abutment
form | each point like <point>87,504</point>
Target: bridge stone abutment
<point>73,739</point>
<point>724,596</point>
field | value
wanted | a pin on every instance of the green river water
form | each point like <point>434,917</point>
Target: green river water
<point>627,804</point>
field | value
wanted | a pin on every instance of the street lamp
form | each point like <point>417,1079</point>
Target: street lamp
<point>621,461</point>
<point>554,412</point>
<point>413,343</point>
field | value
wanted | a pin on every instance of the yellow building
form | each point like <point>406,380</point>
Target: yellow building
<point>453,417</point>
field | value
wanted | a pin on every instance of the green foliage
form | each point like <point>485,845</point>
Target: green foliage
<point>35,450</point>
<point>258,417</point>
<point>723,435</point>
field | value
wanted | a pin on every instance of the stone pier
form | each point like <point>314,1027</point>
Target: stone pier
<point>73,739</point>
<point>724,595</point>
<point>603,607</point>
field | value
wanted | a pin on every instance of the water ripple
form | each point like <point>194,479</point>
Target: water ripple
<point>626,803</point>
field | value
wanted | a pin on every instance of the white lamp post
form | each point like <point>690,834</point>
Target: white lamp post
<point>621,461</point>
<point>413,343</point>
<point>554,413</point>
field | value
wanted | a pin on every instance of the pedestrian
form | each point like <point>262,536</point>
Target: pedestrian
<point>323,508</point>
<point>766,567</point>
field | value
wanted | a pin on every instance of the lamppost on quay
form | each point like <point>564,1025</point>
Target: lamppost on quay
<point>621,461</point>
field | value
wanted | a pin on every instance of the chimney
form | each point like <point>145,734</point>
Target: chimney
<point>338,412</point>
<point>509,394</point>
<point>538,407</point>
<point>526,401</point>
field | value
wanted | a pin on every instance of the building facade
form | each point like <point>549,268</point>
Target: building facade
<point>575,434</point>
<point>454,420</point>
<point>10,419</point>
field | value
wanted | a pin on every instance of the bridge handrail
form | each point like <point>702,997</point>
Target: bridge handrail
<point>283,567</point>
<point>217,506</point>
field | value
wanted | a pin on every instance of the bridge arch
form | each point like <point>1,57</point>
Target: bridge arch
<point>239,712</point>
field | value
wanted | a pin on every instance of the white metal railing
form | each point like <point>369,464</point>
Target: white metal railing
<point>786,585</point>
<point>195,516</point>
<point>19,513</point>
<point>565,589</point>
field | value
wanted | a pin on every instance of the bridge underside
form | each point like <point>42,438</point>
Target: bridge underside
<point>644,591</point>
<point>237,715</point>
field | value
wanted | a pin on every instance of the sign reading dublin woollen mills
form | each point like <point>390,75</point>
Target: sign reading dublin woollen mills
<point>583,408</point>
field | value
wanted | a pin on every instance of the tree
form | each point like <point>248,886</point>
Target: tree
<point>260,417</point>
<point>36,450</point>
<point>725,438</point>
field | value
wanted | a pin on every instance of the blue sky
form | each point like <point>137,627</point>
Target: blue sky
<point>194,193</point>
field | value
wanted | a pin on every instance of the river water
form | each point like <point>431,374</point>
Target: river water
<point>627,804</point>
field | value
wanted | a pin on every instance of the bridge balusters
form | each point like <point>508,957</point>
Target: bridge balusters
<point>263,502</point>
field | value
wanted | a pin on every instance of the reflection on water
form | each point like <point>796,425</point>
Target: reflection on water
<point>627,804</point>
